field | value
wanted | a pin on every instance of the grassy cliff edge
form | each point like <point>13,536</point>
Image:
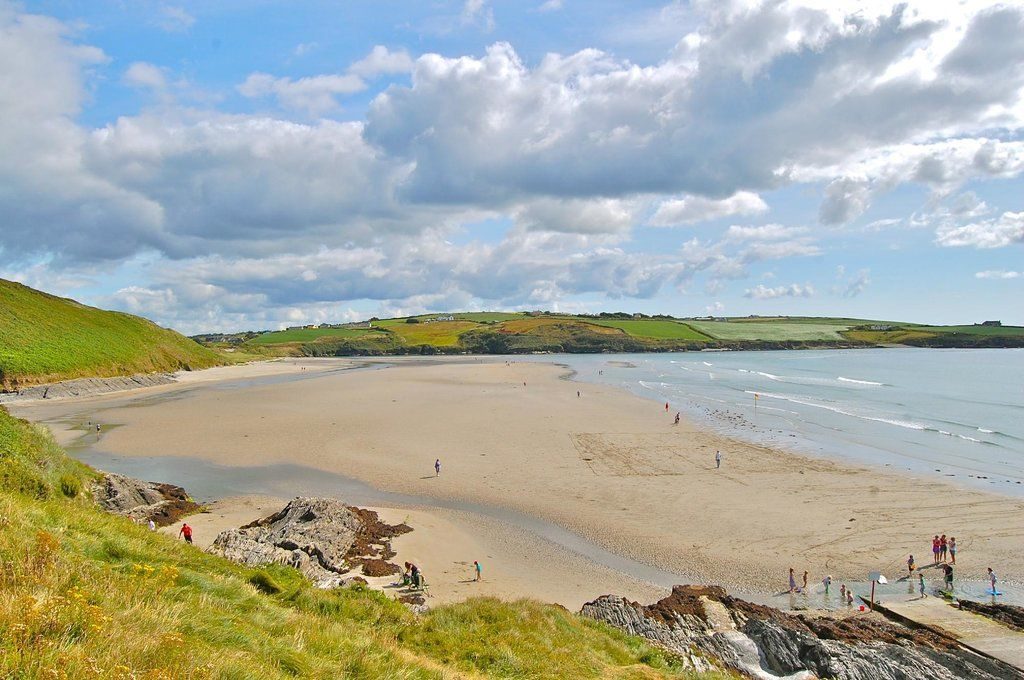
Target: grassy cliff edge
<point>44,338</point>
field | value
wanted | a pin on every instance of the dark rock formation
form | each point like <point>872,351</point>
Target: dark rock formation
<point>321,537</point>
<point>163,503</point>
<point>311,534</point>
<point>710,629</point>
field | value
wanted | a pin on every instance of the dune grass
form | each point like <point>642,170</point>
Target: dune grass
<point>44,338</point>
<point>84,594</point>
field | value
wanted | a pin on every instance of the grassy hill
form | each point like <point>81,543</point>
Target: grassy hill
<point>44,338</point>
<point>511,333</point>
<point>84,594</point>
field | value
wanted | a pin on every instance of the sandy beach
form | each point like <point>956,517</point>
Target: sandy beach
<point>606,465</point>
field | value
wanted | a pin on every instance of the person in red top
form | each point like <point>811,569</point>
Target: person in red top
<point>186,531</point>
<point>936,547</point>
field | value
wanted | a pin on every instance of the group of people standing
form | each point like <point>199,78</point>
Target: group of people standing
<point>943,549</point>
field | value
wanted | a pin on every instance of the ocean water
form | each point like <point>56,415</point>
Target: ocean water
<point>956,414</point>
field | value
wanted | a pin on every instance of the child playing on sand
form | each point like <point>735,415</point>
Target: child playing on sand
<point>910,566</point>
<point>992,580</point>
<point>920,581</point>
<point>478,568</point>
<point>805,581</point>
<point>792,580</point>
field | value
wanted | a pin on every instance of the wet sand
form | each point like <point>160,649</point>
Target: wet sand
<point>608,466</point>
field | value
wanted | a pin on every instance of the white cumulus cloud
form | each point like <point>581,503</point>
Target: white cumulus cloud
<point>698,209</point>
<point>1007,229</point>
<point>315,95</point>
<point>999,274</point>
<point>762,292</point>
<point>380,61</point>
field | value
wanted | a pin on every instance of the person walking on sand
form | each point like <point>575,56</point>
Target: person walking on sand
<point>792,580</point>
<point>478,568</point>
<point>577,394</point>
<point>186,531</point>
<point>718,459</point>
<point>943,547</point>
<point>666,407</point>
<point>437,467</point>
<point>952,549</point>
<point>677,418</point>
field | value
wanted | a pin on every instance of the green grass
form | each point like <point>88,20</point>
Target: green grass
<point>436,333</point>
<point>308,335</point>
<point>44,338</point>
<point>774,331</point>
<point>653,329</point>
<point>991,331</point>
<point>488,317</point>
<point>84,594</point>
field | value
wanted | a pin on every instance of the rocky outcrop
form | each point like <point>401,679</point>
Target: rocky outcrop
<point>321,537</point>
<point>142,501</point>
<point>710,629</point>
<point>88,386</point>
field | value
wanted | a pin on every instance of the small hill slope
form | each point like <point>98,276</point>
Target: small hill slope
<point>45,338</point>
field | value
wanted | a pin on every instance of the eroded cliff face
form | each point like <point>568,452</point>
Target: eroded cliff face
<point>711,629</point>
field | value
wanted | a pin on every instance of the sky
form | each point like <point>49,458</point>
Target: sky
<point>256,164</point>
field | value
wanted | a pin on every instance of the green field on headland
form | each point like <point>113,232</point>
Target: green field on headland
<point>85,594</point>
<point>44,338</point>
<point>517,333</point>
